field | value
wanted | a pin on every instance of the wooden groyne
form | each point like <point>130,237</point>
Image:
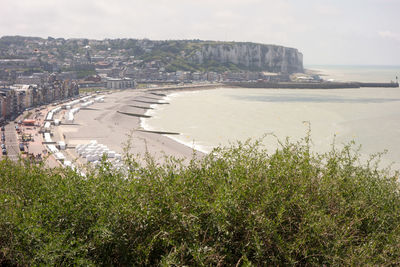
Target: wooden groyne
<point>152,98</point>
<point>153,103</point>
<point>310,85</point>
<point>89,109</point>
<point>158,132</point>
<point>158,94</point>
<point>134,114</point>
<point>140,107</point>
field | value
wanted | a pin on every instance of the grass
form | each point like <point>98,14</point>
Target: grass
<point>240,205</point>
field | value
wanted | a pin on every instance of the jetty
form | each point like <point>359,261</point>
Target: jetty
<point>310,85</point>
<point>156,90</point>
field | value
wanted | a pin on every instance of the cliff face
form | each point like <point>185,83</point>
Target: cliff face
<point>252,56</point>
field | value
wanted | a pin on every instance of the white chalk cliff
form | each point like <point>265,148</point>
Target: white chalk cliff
<point>252,56</point>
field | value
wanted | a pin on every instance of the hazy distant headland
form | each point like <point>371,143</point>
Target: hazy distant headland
<point>168,55</point>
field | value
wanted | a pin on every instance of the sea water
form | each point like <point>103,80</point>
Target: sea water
<point>209,118</point>
<point>384,74</point>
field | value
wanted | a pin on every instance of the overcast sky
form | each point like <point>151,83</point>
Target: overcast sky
<point>343,32</point>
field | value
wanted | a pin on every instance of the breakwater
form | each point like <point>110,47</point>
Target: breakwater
<point>309,85</point>
<point>134,114</point>
<point>379,85</point>
<point>152,103</point>
<point>158,132</point>
<point>186,87</point>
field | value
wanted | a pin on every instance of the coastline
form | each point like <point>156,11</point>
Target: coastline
<point>156,109</point>
<point>345,114</point>
<point>118,121</point>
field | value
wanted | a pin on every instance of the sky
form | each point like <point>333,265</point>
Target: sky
<point>327,32</point>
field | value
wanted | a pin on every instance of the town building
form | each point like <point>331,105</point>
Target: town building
<point>24,95</point>
<point>120,83</point>
<point>33,79</point>
<point>9,103</point>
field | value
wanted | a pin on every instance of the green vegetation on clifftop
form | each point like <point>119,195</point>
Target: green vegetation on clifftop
<point>237,206</point>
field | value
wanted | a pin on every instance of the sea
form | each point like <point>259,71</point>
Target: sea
<point>223,116</point>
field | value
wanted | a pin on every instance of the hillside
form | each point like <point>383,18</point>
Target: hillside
<point>223,56</point>
<point>172,55</point>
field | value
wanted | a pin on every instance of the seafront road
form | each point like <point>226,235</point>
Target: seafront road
<point>11,141</point>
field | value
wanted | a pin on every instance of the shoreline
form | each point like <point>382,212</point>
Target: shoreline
<point>168,92</point>
<point>172,136</point>
<point>111,123</point>
<point>124,114</point>
<point>114,123</point>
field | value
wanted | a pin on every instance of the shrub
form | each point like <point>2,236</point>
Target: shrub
<point>239,205</point>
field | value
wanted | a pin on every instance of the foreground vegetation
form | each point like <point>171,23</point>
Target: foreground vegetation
<point>237,206</point>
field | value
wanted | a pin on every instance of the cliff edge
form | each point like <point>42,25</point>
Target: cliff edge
<point>250,56</point>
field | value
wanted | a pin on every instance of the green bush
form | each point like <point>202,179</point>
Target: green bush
<point>237,206</point>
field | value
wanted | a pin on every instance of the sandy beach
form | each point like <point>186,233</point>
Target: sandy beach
<point>114,122</point>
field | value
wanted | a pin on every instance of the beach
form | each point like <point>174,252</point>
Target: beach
<point>116,121</point>
<point>201,119</point>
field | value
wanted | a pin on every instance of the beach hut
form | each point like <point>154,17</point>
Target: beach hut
<point>59,156</point>
<point>53,149</point>
<point>47,125</point>
<point>70,117</point>
<point>67,163</point>
<point>49,116</point>
<point>47,138</point>
<point>99,99</point>
<point>61,145</point>
<point>56,110</point>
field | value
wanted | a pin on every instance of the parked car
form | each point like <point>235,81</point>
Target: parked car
<point>3,128</point>
<point>4,151</point>
<point>21,147</point>
<point>3,146</point>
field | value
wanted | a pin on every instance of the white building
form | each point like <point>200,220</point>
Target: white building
<point>123,83</point>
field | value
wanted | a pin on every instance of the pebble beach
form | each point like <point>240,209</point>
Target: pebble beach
<point>116,121</point>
